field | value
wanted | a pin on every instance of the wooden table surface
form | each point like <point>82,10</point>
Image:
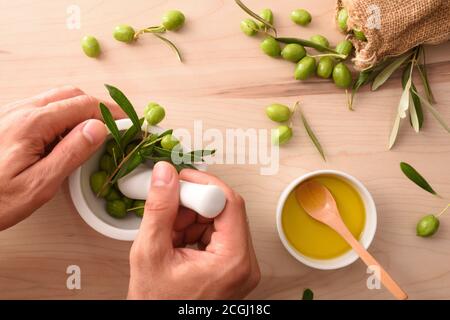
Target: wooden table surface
<point>226,82</point>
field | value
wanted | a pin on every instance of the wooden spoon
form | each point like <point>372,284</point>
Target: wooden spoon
<point>319,203</point>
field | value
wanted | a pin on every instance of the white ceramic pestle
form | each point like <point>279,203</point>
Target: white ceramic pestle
<point>207,200</point>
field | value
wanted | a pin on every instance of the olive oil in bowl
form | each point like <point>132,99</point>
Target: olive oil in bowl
<point>312,238</point>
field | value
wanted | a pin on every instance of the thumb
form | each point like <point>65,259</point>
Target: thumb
<point>161,207</point>
<point>72,151</point>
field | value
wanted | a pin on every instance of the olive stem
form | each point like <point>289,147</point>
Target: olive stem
<point>443,211</point>
<point>156,29</point>
<point>339,56</point>
<point>349,101</point>
<point>294,110</point>
<point>136,208</point>
<point>171,45</point>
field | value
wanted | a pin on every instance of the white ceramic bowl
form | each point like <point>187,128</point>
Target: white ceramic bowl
<point>366,236</point>
<point>91,208</point>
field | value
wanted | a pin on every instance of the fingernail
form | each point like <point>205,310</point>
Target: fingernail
<point>94,131</point>
<point>162,174</point>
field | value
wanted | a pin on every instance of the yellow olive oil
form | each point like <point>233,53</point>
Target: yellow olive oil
<point>313,238</point>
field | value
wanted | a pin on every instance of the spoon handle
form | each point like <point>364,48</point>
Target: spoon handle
<point>370,261</point>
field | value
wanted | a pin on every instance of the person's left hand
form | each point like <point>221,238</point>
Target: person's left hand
<point>42,140</point>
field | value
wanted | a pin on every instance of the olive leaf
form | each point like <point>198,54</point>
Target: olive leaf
<point>311,134</point>
<point>387,72</point>
<point>131,134</point>
<point>171,45</point>
<point>416,112</point>
<point>306,43</point>
<point>308,294</point>
<point>433,111</point>
<point>110,123</point>
<point>256,16</point>
<point>363,78</point>
<point>403,106</point>
<point>416,177</point>
<point>124,104</point>
<point>422,68</point>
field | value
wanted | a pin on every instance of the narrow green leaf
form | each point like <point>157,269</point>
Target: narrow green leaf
<point>415,101</point>
<point>165,133</point>
<point>414,119</point>
<point>311,135</point>
<point>416,177</point>
<point>434,112</point>
<point>308,294</point>
<point>128,166</point>
<point>124,104</point>
<point>362,79</point>
<point>110,123</point>
<point>422,68</point>
<point>131,134</point>
<point>389,70</point>
<point>306,43</point>
<point>256,16</point>
<point>171,45</point>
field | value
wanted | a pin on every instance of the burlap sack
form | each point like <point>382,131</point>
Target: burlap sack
<point>400,26</point>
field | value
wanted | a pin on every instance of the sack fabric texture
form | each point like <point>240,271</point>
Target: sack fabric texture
<point>392,27</point>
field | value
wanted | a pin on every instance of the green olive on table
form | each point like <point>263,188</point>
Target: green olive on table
<point>249,27</point>
<point>154,113</point>
<point>325,67</point>
<point>169,142</point>
<point>113,194</point>
<point>427,226</point>
<point>271,47</point>
<point>301,17</point>
<point>278,112</point>
<point>97,181</point>
<point>124,33</point>
<point>173,20</point>
<point>293,52</point>
<point>116,209</point>
<point>90,46</point>
<point>342,19</point>
<point>359,35</point>
<point>321,40</point>
<point>305,68</point>
<point>281,135</point>
<point>344,47</point>
<point>342,76</point>
<point>267,15</point>
<point>107,163</point>
<point>140,205</point>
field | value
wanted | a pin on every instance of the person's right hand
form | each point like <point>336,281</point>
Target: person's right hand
<point>225,267</point>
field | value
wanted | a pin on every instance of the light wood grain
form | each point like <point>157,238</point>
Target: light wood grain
<point>226,81</point>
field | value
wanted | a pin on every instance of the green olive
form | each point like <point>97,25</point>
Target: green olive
<point>140,204</point>
<point>124,33</point>
<point>301,17</point>
<point>267,15</point>
<point>278,112</point>
<point>97,181</point>
<point>293,52</point>
<point>342,76</point>
<point>128,202</point>
<point>173,20</point>
<point>319,39</point>
<point>342,19</point>
<point>112,148</point>
<point>325,67</point>
<point>271,47</point>
<point>90,46</point>
<point>169,142</point>
<point>249,27</point>
<point>281,135</point>
<point>154,113</point>
<point>114,194</point>
<point>427,226</point>
<point>107,163</point>
<point>305,68</point>
<point>359,35</point>
<point>116,209</point>
<point>344,47</point>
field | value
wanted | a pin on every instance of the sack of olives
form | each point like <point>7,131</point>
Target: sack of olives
<point>385,28</point>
